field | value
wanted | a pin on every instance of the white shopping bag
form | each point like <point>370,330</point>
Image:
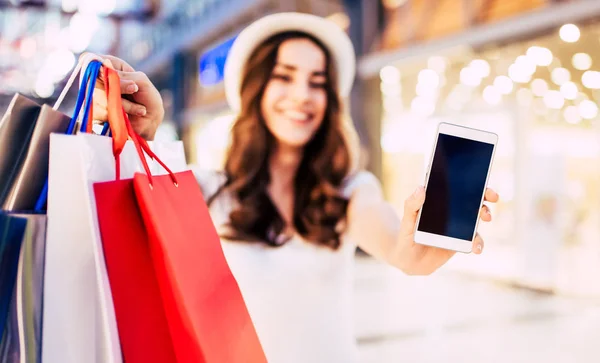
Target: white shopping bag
<point>79,323</point>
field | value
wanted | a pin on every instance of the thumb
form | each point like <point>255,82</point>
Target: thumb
<point>107,63</point>
<point>412,205</point>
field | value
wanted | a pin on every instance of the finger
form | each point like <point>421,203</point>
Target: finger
<point>128,87</point>
<point>107,63</point>
<point>138,78</point>
<point>485,214</point>
<point>133,108</point>
<point>491,196</point>
<point>412,205</point>
<point>478,244</point>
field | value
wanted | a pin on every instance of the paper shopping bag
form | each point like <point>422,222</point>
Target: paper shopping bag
<point>206,315</point>
<point>79,320</point>
<point>143,329</point>
<point>208,319</point>
<point>32,174</point>
<point>12,230</point>
<point>16,128</point>
<point>21,341</point>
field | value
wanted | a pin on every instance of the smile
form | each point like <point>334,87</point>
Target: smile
<point>298,116</point>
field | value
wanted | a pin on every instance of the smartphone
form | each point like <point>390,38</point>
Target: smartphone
<point>455,185</point>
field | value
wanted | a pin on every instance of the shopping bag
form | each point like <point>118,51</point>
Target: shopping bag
<point>12,230</point>
<point>21,341</point>
<point>31,177</point>
<point>79,319</point>
<point>207,316</point>
<point>16,128</point>
<point>142,325</point>
<point>141,322</point>
<point>72,326</point>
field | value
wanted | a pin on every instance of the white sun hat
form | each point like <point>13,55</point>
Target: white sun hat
<point>330,34</point>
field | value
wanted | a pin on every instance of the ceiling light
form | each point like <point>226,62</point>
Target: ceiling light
<point>561,75</point>
<point>591,79</point>
<point>569,33</point>
<point>422,106</point>
<point>582,61</point>
<point>588,109</point>
<point>481,67</point>
<point>518,75</point>
<point>469,77</point>
<point>503,84</point>
<point>492,96</point>
<point>389,74</point>
<point>569,90</point>
<point>429,78</point>
<point>539,87</point>
<point>554,100</point>
<point>541,56</point>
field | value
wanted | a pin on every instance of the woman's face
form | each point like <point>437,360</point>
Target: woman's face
<point>295,99</point>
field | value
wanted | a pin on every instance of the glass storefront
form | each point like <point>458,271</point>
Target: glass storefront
<point>541,96</point>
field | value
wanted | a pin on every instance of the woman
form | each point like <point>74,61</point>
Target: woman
<point>290,205</point>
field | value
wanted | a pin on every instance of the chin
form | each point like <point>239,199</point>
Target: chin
<point>293,143</point>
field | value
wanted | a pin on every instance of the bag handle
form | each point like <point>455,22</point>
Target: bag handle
<point>85,95</point>
<point>118,119</point>
<point>91,70</point>
<point>85,59</point>
<point>143,149</point>
<point>116,123</point>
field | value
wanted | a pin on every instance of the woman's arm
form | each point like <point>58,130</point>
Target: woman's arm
<point>375,226</point>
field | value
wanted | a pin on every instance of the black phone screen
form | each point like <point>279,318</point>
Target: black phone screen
<point>456,183</point>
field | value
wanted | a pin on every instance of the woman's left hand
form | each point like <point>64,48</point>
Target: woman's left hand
<point>426,259</point>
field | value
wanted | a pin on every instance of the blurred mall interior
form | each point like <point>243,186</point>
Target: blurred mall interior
<point>528,70</point>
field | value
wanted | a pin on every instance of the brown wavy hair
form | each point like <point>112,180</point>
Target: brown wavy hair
<point>318,204</point>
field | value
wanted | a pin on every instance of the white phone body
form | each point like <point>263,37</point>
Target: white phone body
<point>454,197</point>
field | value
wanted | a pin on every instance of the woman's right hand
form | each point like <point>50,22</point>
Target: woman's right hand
<point>141,99</point>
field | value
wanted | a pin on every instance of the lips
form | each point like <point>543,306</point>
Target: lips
<point>298,116</point>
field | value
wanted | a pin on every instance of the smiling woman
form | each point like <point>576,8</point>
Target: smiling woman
<point>290,115</point>
<point>291,206</point>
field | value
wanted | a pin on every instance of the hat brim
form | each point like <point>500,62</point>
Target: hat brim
<point>331,35</point>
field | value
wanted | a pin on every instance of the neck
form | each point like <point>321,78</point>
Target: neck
<point>284,163</point>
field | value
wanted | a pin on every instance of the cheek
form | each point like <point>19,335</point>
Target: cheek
<point>320,104</point>
<point>270,97</point>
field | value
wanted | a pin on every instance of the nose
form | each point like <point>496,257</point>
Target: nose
<point>300,91</point>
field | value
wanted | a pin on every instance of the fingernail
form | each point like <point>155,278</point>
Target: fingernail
<point>479,248</point>
<point>132,88</point>
<point>418,191</point>
<point>141,112</point>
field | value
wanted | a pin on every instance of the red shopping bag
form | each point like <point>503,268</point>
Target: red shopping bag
<point>141,321</point>
<point>207,315</point>
<point>200,299</point>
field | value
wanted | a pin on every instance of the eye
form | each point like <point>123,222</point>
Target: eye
<point>318,84</point>
<point>282,77</point>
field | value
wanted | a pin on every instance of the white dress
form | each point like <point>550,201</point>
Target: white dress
<point>300,295</point>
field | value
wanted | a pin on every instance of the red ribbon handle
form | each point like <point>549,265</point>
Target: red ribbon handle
<point>121,128</point>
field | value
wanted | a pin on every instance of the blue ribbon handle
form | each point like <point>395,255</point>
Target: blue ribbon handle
<point>86,91</point>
